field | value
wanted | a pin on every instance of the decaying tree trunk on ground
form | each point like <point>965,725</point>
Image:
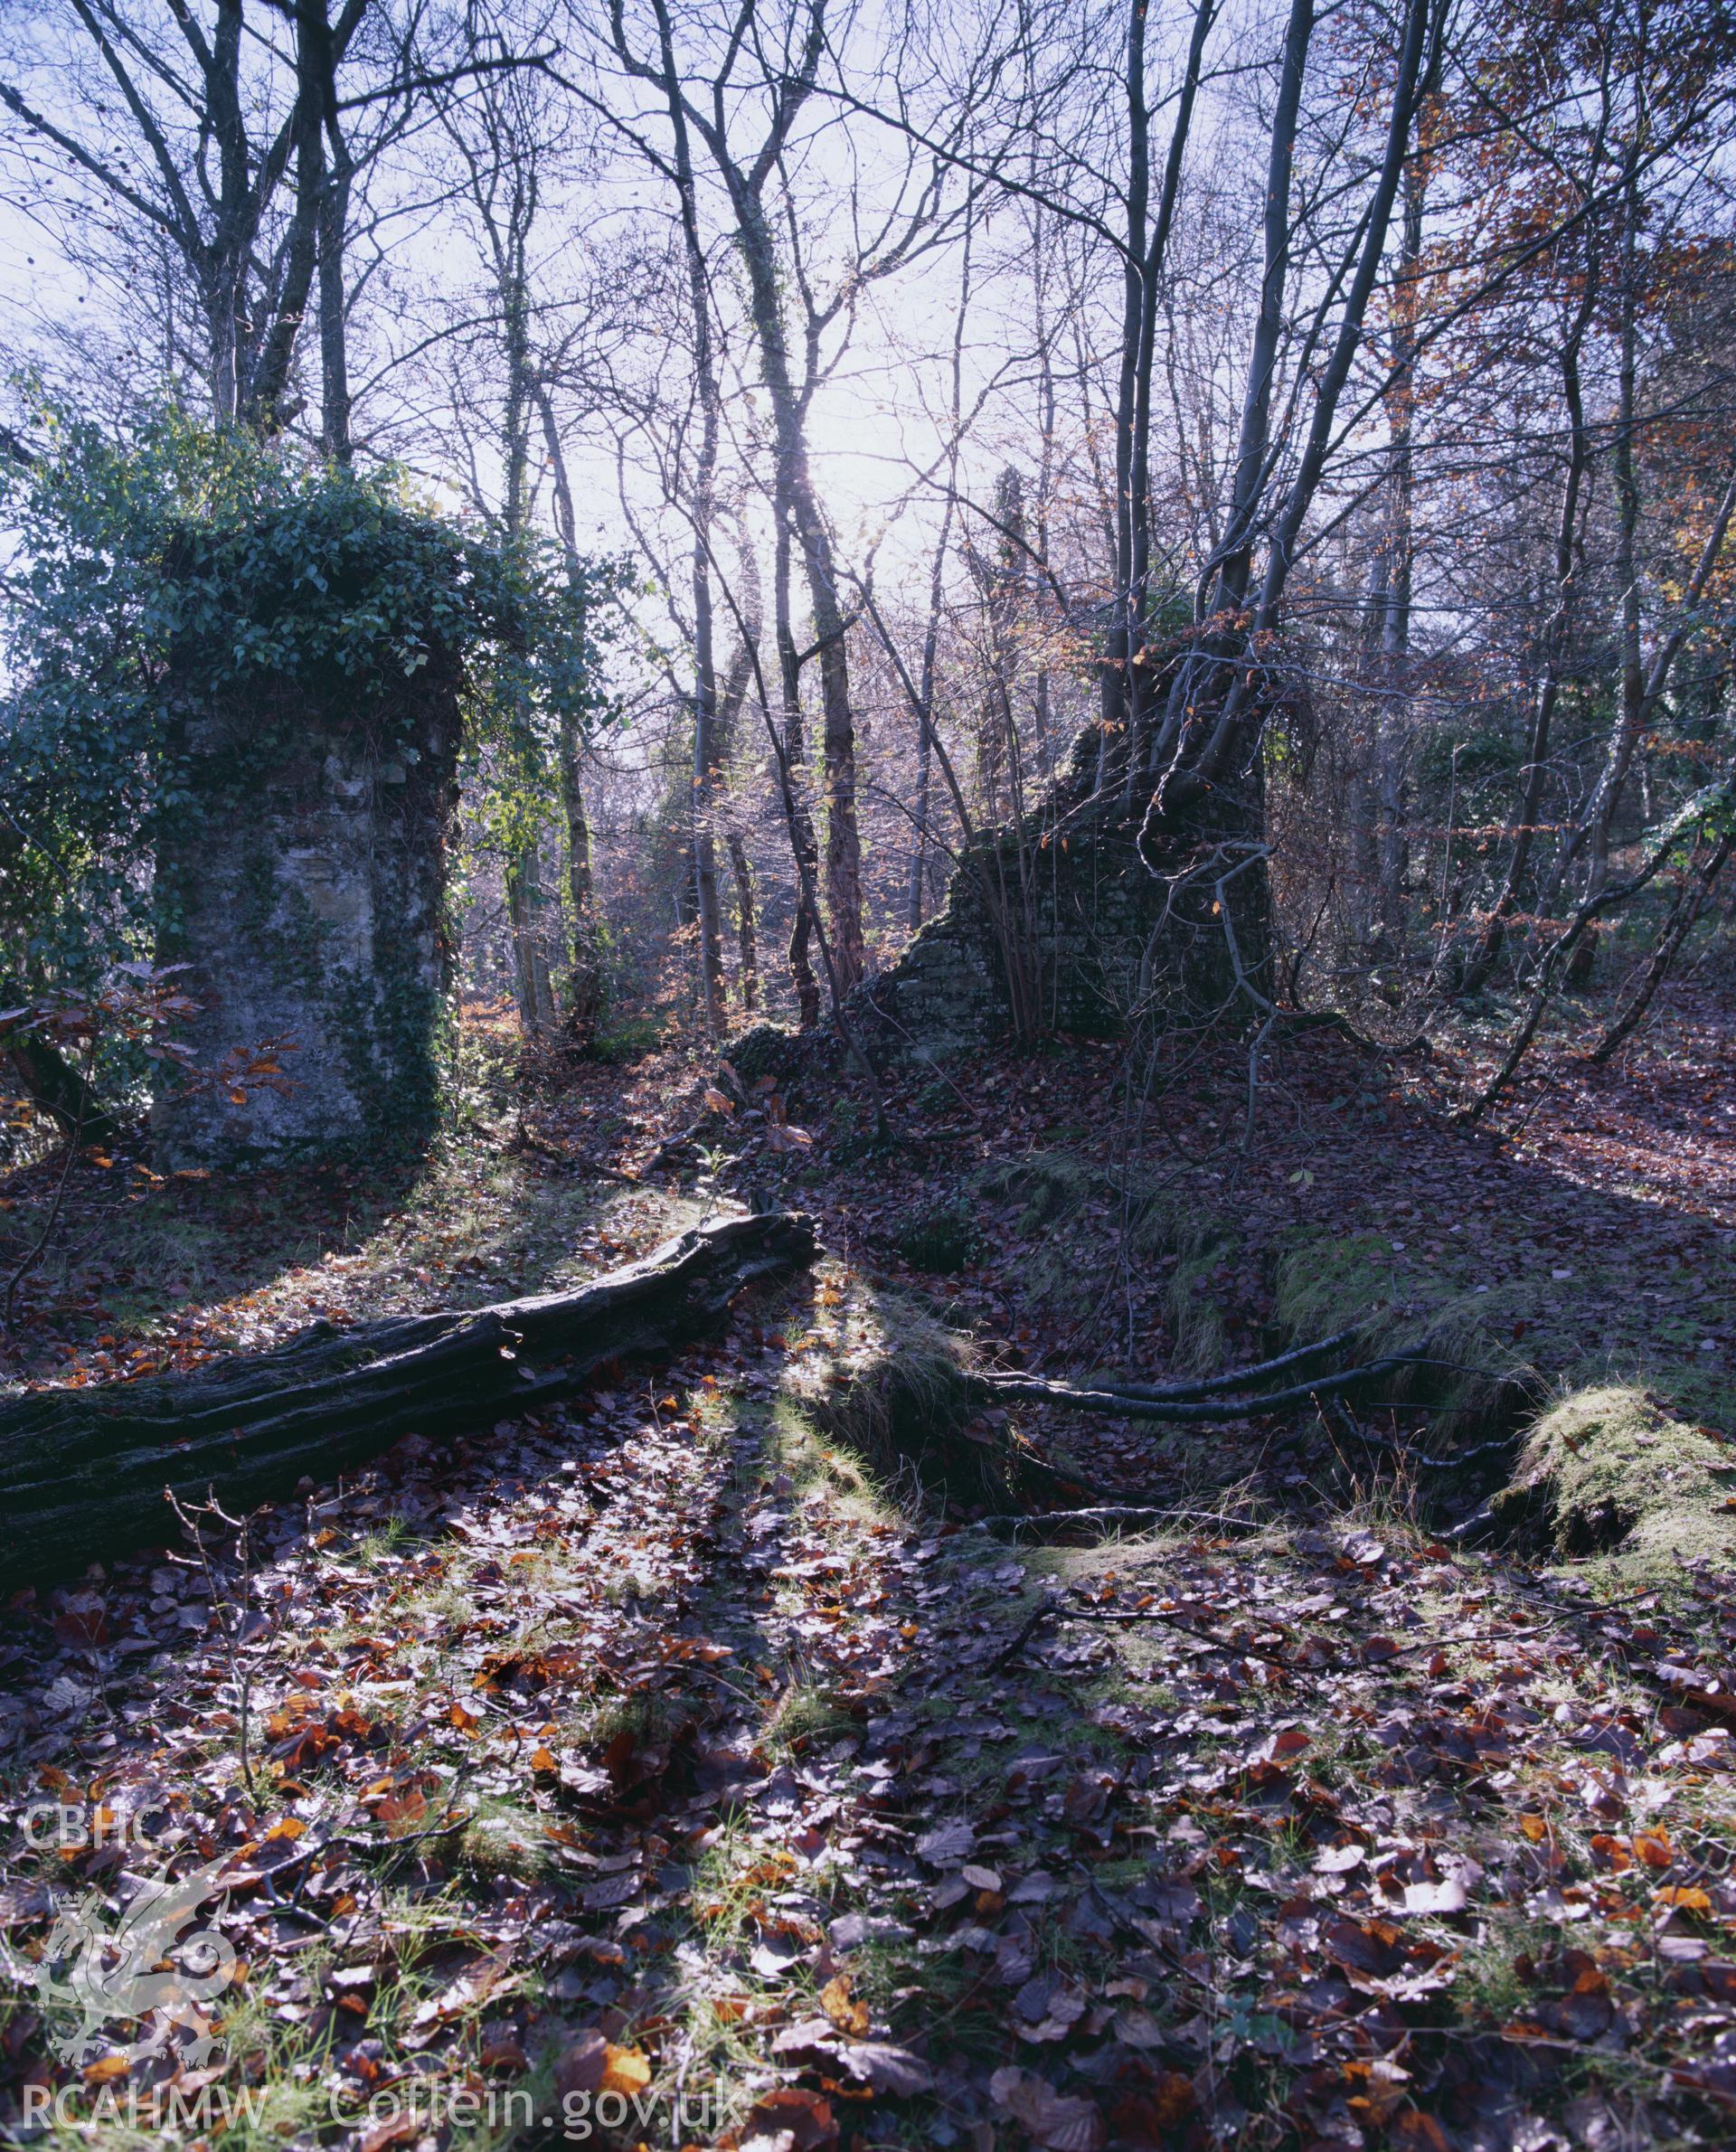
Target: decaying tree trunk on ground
<point>83,1472</point>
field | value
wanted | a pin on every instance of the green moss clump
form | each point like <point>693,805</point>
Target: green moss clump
<point>1606,1473</point>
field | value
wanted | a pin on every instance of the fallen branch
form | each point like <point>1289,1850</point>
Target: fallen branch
<point>1132,1404</point>
<point>83,1473</point>
<point>1293,1023</point>
<point>1132,1517</point>
<point>1354,1432</point>
<point>1239,1378</point>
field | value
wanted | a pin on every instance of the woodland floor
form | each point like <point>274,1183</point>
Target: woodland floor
<point>661,1759</point>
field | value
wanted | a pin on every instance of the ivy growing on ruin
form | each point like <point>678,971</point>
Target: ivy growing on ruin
<point>184,570</point>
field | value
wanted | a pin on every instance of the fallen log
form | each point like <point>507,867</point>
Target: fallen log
<point>83,1473</point>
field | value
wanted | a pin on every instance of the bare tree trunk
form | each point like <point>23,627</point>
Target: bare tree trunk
<point>798,820</point>
<point>936,588</point>
<point>1393,728</point>
<point>998,580</point>
<point>523,868</point>
<point>731,696</point>
<point>333,227</point>
<point>1146,244</point>
<point>1657,677</point>
<point>334,334</point>
<point>1557,634</point>
<point>706,754</point>
<point>585,990</point>
<point>746,933</point>
<point>530,956</point>
<point>1223,589</point>
<point>802,516</point>
<point>1229,752</point>
<point>1605,801</point>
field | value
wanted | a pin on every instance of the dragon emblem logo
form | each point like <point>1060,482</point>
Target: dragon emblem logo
<point>144,1968</point>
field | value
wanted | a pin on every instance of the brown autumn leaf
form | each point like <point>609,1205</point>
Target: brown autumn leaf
<point>892,2071</point>
<point>582,2064</point>
<point>790,2120</point>
<point>1057,2121</point>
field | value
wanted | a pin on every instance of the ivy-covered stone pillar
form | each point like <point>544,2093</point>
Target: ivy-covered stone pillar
<point>304,887</point>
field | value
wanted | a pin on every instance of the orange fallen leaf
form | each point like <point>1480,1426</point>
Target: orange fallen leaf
<point>842,2007</point>
<point>627,2070</point>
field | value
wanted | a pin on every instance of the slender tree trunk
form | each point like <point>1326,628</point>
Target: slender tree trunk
<point>937,590</point>
<point>730,697</point>
<point>1394,729</point>
<point>1684,915</point>
<point>333,329</point>
<point>1223,589</point>
<point>706,754</point>
<point>301,248</point>
<point>523,868</point>
<point>333,227</point>
<point>530,957</point>
<point>920,822</point>
<point>1657,677</point>
<point>1000,579</point>
<point>806,524</point>
<point>1124,718</point>
<point>1556,640</point>
<point>585,990</point>
<point>746,932</point>
<point>1227,752</point>
<point>1614,776</point>
<point>792,763</point>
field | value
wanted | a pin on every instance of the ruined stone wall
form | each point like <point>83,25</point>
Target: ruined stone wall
<point>308,895</point>
<point>1092,930</point>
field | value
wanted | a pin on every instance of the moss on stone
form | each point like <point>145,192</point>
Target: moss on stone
<point>1607,1473</point>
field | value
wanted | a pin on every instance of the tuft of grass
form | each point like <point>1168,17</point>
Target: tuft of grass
<point>808,1715</point>
<point>1049,1186</point>
<point>502,1839</point>
<point>648,1718</point>
<point>1606,1473</point>
<point>629,1039</point>
<point>1195,1319</point>
<point>890,1383</point>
